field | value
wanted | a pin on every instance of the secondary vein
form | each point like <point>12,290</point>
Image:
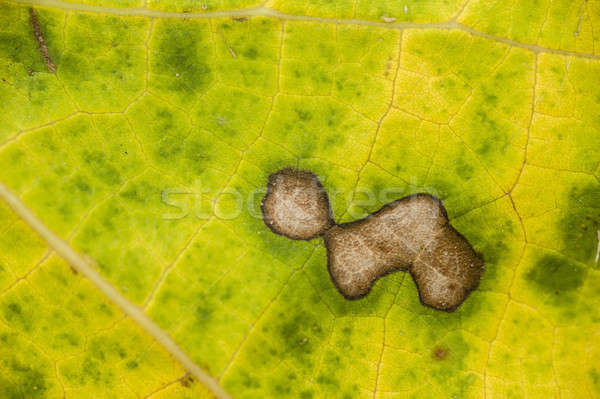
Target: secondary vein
<point>268,12</point>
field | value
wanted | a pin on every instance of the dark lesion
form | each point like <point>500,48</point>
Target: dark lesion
<point>187,381</point>
<point>39,37</point>
<point>439,353</point>
<point>412,234</point>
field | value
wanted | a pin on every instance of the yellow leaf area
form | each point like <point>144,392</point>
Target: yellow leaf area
<point>59,337</point>
<point>148,152</point>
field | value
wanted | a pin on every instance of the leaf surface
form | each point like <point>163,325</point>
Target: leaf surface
<point>148,153</point>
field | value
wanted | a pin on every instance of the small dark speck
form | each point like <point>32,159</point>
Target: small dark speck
<point>187,381</point>
<point>440,353</point>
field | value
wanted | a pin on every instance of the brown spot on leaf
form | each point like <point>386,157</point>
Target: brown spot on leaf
<point>411,234</point>
<point>186,381</point>
<point>37,31</point>
<point>296,205</point>
<point>439,353</point>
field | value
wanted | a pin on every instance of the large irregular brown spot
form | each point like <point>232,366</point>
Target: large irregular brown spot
<point>411,234</point>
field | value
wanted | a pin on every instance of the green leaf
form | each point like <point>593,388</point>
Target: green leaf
<point>141,163</point>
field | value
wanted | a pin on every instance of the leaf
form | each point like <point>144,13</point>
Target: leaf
<point>61,337</point>
<point>148,152</point>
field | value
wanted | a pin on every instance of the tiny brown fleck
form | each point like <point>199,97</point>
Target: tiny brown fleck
<point>187,381</point>
<point>440,353</point>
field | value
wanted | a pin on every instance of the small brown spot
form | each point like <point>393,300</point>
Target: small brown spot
<point>412,234</point>
<point>187,381</point>
<point>240,19</point>
<point>73,270</point>
<point>439,353</point>
<point>30,72</point>
<point>37,31</point>
<point>388,67</point>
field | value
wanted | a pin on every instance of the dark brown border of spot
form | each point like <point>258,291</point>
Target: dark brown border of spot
<point>270,182</point>
<point>401,268</point>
